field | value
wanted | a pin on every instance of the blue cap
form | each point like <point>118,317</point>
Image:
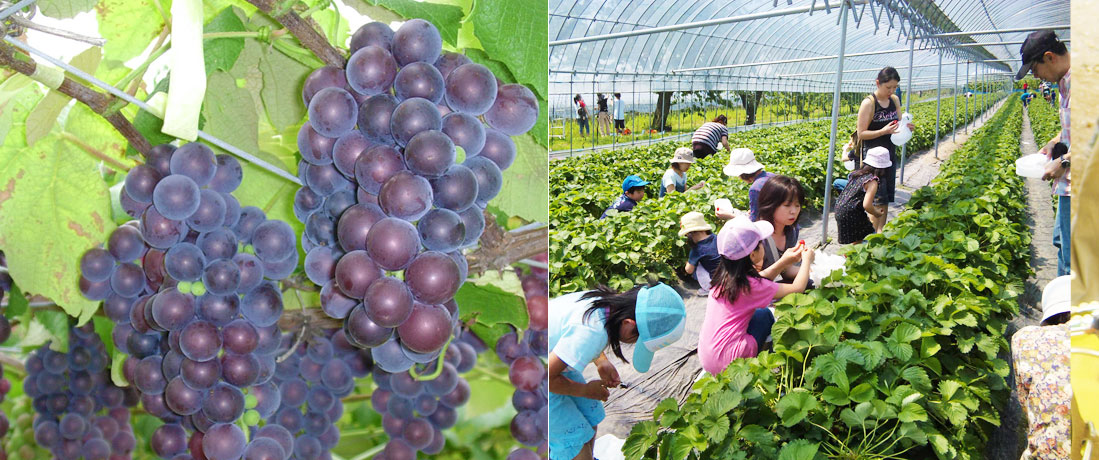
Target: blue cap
<point>661,318</point>
<point>632,181</point>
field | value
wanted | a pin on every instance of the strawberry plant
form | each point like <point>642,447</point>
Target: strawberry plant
<point>625,250</point>
<point>901,357</point>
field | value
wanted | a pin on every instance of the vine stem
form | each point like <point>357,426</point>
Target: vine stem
<point>113,163</point>
<point>301,334</point>
<point>438,365</point>
<point>304,31</point>
<point>23,22</point>
<point>96,101</point>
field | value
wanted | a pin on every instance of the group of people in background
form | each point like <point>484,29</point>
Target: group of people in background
<point>603,107</point>
<point>756,258</point>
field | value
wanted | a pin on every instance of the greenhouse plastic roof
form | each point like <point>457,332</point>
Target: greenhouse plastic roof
<point>665,58</point>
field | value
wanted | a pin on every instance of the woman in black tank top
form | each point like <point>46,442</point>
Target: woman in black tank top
<point>876,123</point>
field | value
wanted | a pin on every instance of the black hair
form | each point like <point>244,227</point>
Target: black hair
<point>733,276</point>
<point>576,99</point>
<point>776,192</point>
<point>1060,318</point>
<point>888,74</point>
<point>1058,47</point>
<point>749,176</point>
<point>620,306</point>
<point>691,243</point>
<point>675,166</point>
<point>636,188</point>
<point>867,169</point>
<point>618,95</point>
<point>721,119</point>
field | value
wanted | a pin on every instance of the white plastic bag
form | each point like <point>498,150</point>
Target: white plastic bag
<point>903,134</point>
<point>823,265</point>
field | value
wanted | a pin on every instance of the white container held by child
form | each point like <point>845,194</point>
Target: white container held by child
<point>903,134</point>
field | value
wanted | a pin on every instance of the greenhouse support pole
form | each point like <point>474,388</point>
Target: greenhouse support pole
<point>968,98</point>
<point>938,104</point>
<point>907,99</point>
<point>835,121</point>
<point>954,126</point>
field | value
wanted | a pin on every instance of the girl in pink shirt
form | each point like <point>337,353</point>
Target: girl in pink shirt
<point>737,321</point>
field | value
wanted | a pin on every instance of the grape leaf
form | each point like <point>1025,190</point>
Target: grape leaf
<point>129,26</point>
<point>526,183</point>
<point>45,114</point>
<point>42,247</point>
<point>516,33</point>
<point>18,96</point>
<point>335,27</point>
<point>229,112</point>
<point>222,53</point>
<point>63,9</point>
<point>446,18</point>
<point>283,79</point>
<point>490,306</point>
<point>57,324</point>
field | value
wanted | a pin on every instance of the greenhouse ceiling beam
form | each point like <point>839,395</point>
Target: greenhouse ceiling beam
<point>996,31</point>
<point>876,69</point>
<point>696,24</point>
<point>833,56</point>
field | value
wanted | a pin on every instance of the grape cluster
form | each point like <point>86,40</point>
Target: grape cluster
<point>387,210</point>
<point>5,287</point>
<point>415,408</point>
<point>525,358</point>
<point>301,403</point>
<point>198,317</point>
<point>80,413</point>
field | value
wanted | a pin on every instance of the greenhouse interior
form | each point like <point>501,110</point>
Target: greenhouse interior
<point>899,347</point>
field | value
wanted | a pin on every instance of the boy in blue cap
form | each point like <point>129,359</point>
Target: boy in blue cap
<point>581,326</point>
<point>633,191</point>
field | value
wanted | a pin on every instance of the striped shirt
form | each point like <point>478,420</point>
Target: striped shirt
<point>710,133</point>
<point>1061,187</point>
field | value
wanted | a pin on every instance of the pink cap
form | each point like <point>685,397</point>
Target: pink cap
<point>740,236</point>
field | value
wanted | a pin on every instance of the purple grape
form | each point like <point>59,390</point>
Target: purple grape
<point>140,182</point>
<point>196,161</point>
<point>429,153</point>
<point>371,70</point>
<point>392,243</point>
<point>355,224</point>
<point>306,201</point>
<point>273,241</point>
<point>417,41</point>
<point>406,196</point>
<point>489,178</point>
<point>160,158</point>
<point>427,328</point>
<point>376,166</point>
<point>325,180</point>
<point>499,148</point>
<point>200,375</point>
<point>251,272</point>
<point>419,79</point>
<point>200,341</point>
<point>471,88</point>
<point>411,117</point>
<point>375,115</point>
<point>223,441</point>
<point>176,197</point>
<point>441,230</point>
<point>228,175</point>
<point>333,301</point>
<point>372,33</point>
<point>320,265</point>
<point>365,332</point>
<point>220,243</point>
<point>250,217</point>
<point>354,273</point>
<point>333,112</point>
<point>448,61</point>
<point>515,110</point>
<point>347,150</point>
<point>324,77</point>
<point>456,189</point>
<point>465,131</point>
<point>388,302</point>
<point>173,309</point>
<point>127,280</point>
<point>210,214</point>
<point>433,278</point>
<point>262,306</point>
<point>314,147</point>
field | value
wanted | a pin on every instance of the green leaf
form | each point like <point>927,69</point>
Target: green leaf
<point>516,34</point>
<point>222,53</point>
<point>18,96</point>
<point>87,128</point>
<point>43,248</point>
<point>948,387</point>
<point>668,404</point>
<point>491,305</point>
<point>901,351</point>
<point>57,324</point>
<point>721,403</point>
<point>832,369</point>
<point>283,79</point>
<point>17,302</point>
<point>906,332</point>
<point>795,406</point>
<point>757,434</point>
<point>799,449</point>
<point>129,26</point>
<point>229,112</point>
<point>45,114</point>
<point>917,377</point>
<point>835,396</point>
<point>912,412</point>
<point>446,18</point>
<point>717,429</point>
<point>334,26</point>
<point>64,9</point>
<point>117,360</point>
<point>104,326</point>
<point>862,392</point>
<point>523,194</point>
<point>640,440</point>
